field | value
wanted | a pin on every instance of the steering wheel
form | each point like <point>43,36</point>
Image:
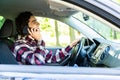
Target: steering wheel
<point>76,51</point>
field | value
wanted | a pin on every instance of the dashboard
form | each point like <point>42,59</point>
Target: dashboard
<point>100,53</point>
<point>105,52</point>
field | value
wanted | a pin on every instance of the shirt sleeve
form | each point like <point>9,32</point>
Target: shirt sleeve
<point>39,55</point>
<point>59,54</point>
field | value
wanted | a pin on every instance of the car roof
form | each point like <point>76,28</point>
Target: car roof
<point>52,9</point>
<point>11,8</point>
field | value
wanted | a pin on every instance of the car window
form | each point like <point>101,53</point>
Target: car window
<point>116,1</point>
<point>2,19</point>
<point>104,30</point>
<point>56,33</point>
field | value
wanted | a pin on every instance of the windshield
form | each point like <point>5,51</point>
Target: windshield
<point>101,28</point>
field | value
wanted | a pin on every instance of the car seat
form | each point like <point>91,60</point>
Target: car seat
<point>6,32</point>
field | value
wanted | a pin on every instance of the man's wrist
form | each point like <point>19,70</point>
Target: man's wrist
<point>39,42</point>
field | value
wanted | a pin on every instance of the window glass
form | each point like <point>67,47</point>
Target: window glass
<point>56,33</point>
<point>104,30</point>
<point>2,19</point>
<point>116,1</point>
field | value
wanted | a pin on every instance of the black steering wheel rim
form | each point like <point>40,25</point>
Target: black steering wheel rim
<point>76,51</point>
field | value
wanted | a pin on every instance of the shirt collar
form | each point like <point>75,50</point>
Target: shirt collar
<point>29,39</point>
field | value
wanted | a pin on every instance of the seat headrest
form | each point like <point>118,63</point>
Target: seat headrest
<point>7,30</point>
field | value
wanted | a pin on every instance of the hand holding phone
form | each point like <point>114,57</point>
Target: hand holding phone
<point>35,33</point>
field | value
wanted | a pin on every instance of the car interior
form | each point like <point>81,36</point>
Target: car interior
<point>7,31</point>
<point>48,9</point>
<point>93,51</point>
<point>95,57</point>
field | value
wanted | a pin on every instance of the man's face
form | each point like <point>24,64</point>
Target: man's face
<point>33,23</point>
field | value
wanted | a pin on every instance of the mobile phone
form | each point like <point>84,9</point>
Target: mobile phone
<point>25,30</point>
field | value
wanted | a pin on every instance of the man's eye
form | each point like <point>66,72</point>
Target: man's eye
<point>34,22</point>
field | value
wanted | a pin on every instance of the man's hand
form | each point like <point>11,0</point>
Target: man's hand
<point>75,42</point>
<point>35,33</point>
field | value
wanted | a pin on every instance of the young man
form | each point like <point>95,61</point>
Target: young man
<point>29,48</point>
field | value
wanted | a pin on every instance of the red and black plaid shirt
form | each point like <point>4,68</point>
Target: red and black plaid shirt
<point>29,51</point>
